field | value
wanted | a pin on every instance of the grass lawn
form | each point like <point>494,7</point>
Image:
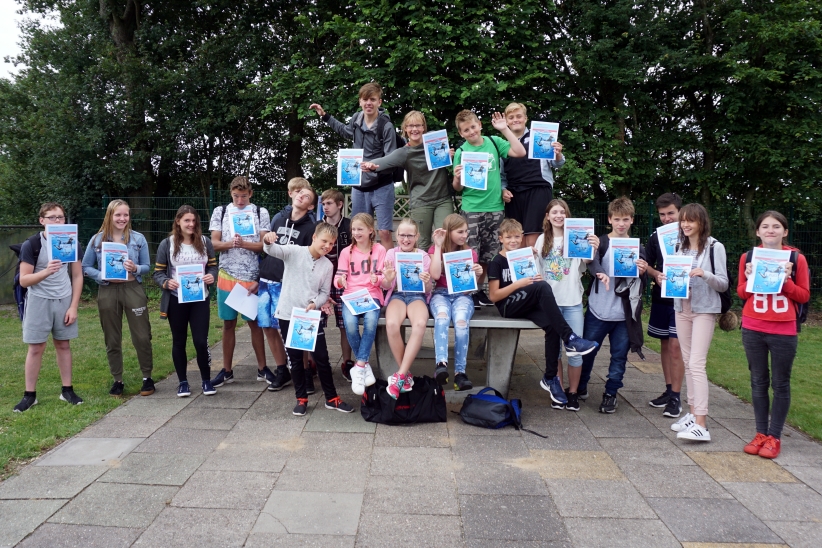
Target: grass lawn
<point>25,435</point>
<point>728,368</point>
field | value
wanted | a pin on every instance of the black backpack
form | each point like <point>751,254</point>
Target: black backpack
<point>801,309</point>
<point>425,403</point>
<point>20,292</point>
<point>397,174</point>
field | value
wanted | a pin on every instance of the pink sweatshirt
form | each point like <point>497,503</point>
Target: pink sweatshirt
<point>357,267</point>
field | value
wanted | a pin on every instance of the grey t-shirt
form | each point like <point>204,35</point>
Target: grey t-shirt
<point>56,286</point>
<point>605,304</point>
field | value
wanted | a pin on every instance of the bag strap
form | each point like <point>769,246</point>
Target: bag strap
<point>711,257</point>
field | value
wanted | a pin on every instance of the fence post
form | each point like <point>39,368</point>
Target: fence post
<point>790,225</point>
<point>105,201</point>
<point>210,198</point>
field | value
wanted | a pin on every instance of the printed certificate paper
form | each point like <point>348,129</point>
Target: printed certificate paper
<point>192,288</point>
<point>458,271</point>
<point>677,270</point>
<point>62,243</point>
<point>768,270</point>
<point>437,154</point>
<point>302,329</point>
<point>349,169</point>
<point>114,257</point>
<point>241,221</point>
<point>409,267</point>
<point>668,236</point>
<point>475,170</point>
<point>575,243</point>
<point>360,302</point>
<point>624,253</point>
<point>242,302</point>
<point>521,263</point>
<point>543,136</point>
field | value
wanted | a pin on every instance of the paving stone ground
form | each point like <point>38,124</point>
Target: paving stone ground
<point>238,469</point>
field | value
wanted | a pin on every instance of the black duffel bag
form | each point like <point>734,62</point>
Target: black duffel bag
<point>425,403</point>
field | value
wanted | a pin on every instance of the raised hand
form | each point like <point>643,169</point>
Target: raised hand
<point>316,107</point>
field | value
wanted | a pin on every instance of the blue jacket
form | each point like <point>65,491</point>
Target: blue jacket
<point>137,253</point>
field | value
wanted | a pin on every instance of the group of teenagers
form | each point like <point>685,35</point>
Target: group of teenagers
<point>312,264</point>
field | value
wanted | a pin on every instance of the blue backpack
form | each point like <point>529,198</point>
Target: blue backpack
<point>493,411</point>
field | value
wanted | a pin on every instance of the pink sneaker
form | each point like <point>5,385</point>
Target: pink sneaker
<point>393,390</point>
<point>407,383</point>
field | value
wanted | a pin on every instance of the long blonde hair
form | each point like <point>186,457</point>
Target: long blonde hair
<point>548,228</point>
<point>452,222</point>
<point>107,229</point>
<point>368,221</point>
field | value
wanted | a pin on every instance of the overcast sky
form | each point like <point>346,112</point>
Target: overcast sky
<point>9,34</point>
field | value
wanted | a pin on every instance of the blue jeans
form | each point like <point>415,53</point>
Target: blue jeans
<point>444,309</point>
<point>379,203</point>
<point>576,320</point>
<point>596,330</point>
<point>361,344</point>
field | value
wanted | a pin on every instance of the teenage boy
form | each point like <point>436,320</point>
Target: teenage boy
<point>372,131</point>
<point>294,228</point>
<point>295,185</point>
<point>306,284</point>
<point>662,324</point>
<point>483,209</point>
<point>332,204</point>
<point>606,310</point>
<point>532,298</point>
<point>51,308</point>
<point>530,182</point>
<point>239,264</point>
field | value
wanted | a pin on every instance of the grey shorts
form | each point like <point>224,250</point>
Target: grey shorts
<point>46,317</point>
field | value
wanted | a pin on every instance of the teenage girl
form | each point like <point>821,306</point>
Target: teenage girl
<point>404,304</point>
<point>696,315</point>
<point>116,297</point>
<point>360,267</point>
<point>565,278</point>
<point>769,326</point>
<point>445,307</point>
<point>186,246</point>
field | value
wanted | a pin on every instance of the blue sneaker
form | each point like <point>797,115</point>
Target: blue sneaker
<point>577,346</point>
<point>208,389</point>
<point>223,377</point>
<point>182,390</point>
<point>554,387</point>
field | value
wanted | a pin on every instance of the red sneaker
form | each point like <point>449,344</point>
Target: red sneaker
<point>771,448</point>
<point>756,444</point>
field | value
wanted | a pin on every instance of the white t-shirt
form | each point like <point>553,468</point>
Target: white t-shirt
<point>563,275</point>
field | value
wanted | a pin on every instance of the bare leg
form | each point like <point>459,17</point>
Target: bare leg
<point>665,354</point>
<point>34,360</point>
<point>63,350</point>
<point>529,240</point>
<point>394,316</point>
<point>386,240</point>
<point>677,365</point>
<point>257,343</point>
<point>574,374</point>
<point>481,277</point>
<point>229,339</point>
<point>275,343</point>
<point>418,314</point>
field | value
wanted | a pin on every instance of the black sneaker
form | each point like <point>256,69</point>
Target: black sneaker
<point>25,404</point>
<point>583,394</point>
<point>309,384</point>
<point>573,401</point>
<point>117,389</point>
<point>661,401</point>
<point>265,374</point>
<point>339,405</point>
<point>441,373</point>
<point>483,299</point>
<point>346,369</point>
<point>301,408</point>
<point>461,382</point>
<point>70,397</point>
<point>223,377</point>
<point>609,403</point>
<point>148,387</point>
<point>673,409</point>
<point>476,300</point>
<point>281,379</point>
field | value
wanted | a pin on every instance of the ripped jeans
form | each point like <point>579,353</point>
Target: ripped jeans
<point>444,309</point>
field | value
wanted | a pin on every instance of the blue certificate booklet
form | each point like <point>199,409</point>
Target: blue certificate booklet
<point>624,253</point>
<point>436,148</point>
<point>543,137</point>
<point>349,167</point>
<point>62,243</point>
<point>668,236</point>
<point>575,243</point>
<point>521,263</point>
<point>459,273</point>
<point>475,170</point>
<point>409,267</point>
<point>192,288</point>
<point>242,221</point>
<point>677,271</point>
<point>767,270</point>
<point>360,302</point>
<point>114,257</point>
<point>303,329</point>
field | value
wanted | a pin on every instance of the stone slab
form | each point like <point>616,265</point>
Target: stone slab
<point>151,407</point>
<point>797,534</point>
<point>49,482</point>
<point>711,520</point>
<point>182,441</point>
<point>197,527</point>
<point>154,469</point>
<point>622,424</point>
<point>273,540</point>
<point>55,535</point>
<point>809,475</point>
<point>428,531</point>
<point>411,461</point>
<point>21,517</point>
<point>800,451</point>
<point>225,489</point>
<point>499,479</point>
<point>619,533</point>
<point>347,445</point>
<point>277,406</point>
<point>308,513</point>
<point>433,434</point>
<point>116,505</point>
<point>226,400</point>
<point>330,420</point>
<point>471,449</point>
<point>511,518</point>
<point>429,498</point>
<point>598,499</point>
<point>571,465</point>
<point>656,480</point>
<point>779,501</point>
<point>645,451</point>
<point>90,452</point>
<point>268,456</point>
<point>247,431</point>
<point>201,418</point>
<point>741,467</point>
<point>123,427</point>
<point>339,476</point>
<point>495,543</point>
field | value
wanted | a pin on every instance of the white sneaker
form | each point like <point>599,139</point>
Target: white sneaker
<point>696,433</point>
<point>358,380</point>
<point>369,375</point>
<point>685,422</point>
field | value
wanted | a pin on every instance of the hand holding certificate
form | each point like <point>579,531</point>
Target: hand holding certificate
<point>241,221</point>
<point>360,302</point>
<point>409,268</point>
<point>522,264</point>
<point>459,271</point>
<point>61,242</point>
<point>475,170</point>
<point>303,329</point>
<point>624,253</point>
<point>349,168</point>
<point>767,270</point>
<point>114,257</point>
<point>242,302</point>
<point>192,287</point>
<point>437,151</point>
<point>677,272</point>
<point>543,137</point>
<point>575,243</point>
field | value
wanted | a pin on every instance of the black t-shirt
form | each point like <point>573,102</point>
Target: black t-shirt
<point>655,258</point>
<point>498,270</point>
<point>343,240</point>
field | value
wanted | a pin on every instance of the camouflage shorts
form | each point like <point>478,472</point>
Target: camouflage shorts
<point>483,233</point>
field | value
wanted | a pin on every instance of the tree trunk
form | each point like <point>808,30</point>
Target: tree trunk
<point>294,149</point>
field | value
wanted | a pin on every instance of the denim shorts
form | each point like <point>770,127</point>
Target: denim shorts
<point>269,295</point>
<point>408,298</point>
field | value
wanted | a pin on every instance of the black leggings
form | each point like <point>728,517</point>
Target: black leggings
<point>198,316</point>
<point>536,302</point>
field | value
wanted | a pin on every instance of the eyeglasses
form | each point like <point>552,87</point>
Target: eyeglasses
<point>53,218</point>
<point>414,126</point>
<point>406,236</point>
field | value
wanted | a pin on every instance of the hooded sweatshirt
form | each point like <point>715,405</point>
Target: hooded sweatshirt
<point>288,232</point>
<point>366,138</point>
